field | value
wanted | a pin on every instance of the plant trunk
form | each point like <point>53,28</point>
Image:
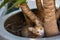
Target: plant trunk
<point>40,9</point>
<point>28,22</point>
<point>50,18</point>
<point>30,14</point>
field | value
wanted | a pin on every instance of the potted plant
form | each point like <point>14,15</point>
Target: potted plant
<point>40,23</point>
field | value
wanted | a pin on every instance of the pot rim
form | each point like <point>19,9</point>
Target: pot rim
<point>10,36</point>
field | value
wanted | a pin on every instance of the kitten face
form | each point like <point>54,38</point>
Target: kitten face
<point>37,30</point>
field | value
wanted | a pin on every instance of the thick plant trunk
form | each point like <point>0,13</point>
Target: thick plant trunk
<point>40,9</point>
<point>30,14</point>
<point>50,18</point>
<point>28,22</point>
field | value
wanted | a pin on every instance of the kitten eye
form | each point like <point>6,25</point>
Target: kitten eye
<point>37,31</point>
<point>40,28</point>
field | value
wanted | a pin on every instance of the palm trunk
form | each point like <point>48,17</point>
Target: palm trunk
<point>40,9</point>
<point>28,22</point>
<point>50,18</point>
<point>30,14</point>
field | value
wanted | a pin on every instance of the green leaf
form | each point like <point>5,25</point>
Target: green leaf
<point>17,2</point>
<point>5,1</point>
<point>14,3</point>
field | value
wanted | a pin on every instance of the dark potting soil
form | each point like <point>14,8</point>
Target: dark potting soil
<point>15,23</point>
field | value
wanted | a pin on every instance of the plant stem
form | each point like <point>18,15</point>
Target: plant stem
<point>30,14</point>
<point>50,18</point>
<point>40,9</point>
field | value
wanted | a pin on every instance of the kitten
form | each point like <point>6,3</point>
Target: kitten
<point>26,33</point>
<point>39,31</point>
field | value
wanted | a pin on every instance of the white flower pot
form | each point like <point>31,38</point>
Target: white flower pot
<point>5,34</point>
<point>10,36</point>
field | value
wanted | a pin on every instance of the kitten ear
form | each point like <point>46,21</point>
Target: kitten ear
<point>30,28</point>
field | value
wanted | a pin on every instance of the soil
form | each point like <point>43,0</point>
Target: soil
<point>15,23</point>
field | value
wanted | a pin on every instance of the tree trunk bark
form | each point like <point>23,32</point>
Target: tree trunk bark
<point>50,18</point>
<point>40,9</point>
<point>30,14</point>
